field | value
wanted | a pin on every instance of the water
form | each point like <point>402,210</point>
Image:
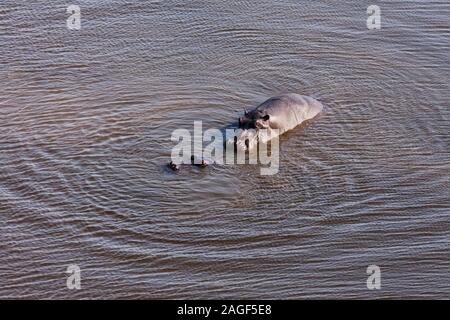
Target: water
<point>85,123</point>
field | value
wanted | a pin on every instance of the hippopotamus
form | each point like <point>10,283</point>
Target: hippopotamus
<point>175,167</point>
<point>270,119</point>
<point>282,113</point>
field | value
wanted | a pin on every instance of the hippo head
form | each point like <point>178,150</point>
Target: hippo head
<point>251,123</point>
<point>254,120</point>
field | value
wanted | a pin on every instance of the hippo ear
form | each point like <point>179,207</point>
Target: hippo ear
<point>245,111</point>
<point>266,117</point>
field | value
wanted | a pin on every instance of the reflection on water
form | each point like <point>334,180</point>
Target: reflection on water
<point>85,123</point>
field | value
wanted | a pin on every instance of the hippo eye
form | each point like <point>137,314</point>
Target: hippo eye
<point>266,117</point>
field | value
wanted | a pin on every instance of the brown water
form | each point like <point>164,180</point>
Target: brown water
<point>85,124</point>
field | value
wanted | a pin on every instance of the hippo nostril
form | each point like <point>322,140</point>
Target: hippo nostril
<point>173,166</point>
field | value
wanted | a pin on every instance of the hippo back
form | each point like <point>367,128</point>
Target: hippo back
<point>288,111</point>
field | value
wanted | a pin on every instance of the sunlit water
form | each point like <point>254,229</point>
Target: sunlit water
<point>85,124</point>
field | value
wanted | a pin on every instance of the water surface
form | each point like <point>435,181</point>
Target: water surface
<point>85,124</point>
